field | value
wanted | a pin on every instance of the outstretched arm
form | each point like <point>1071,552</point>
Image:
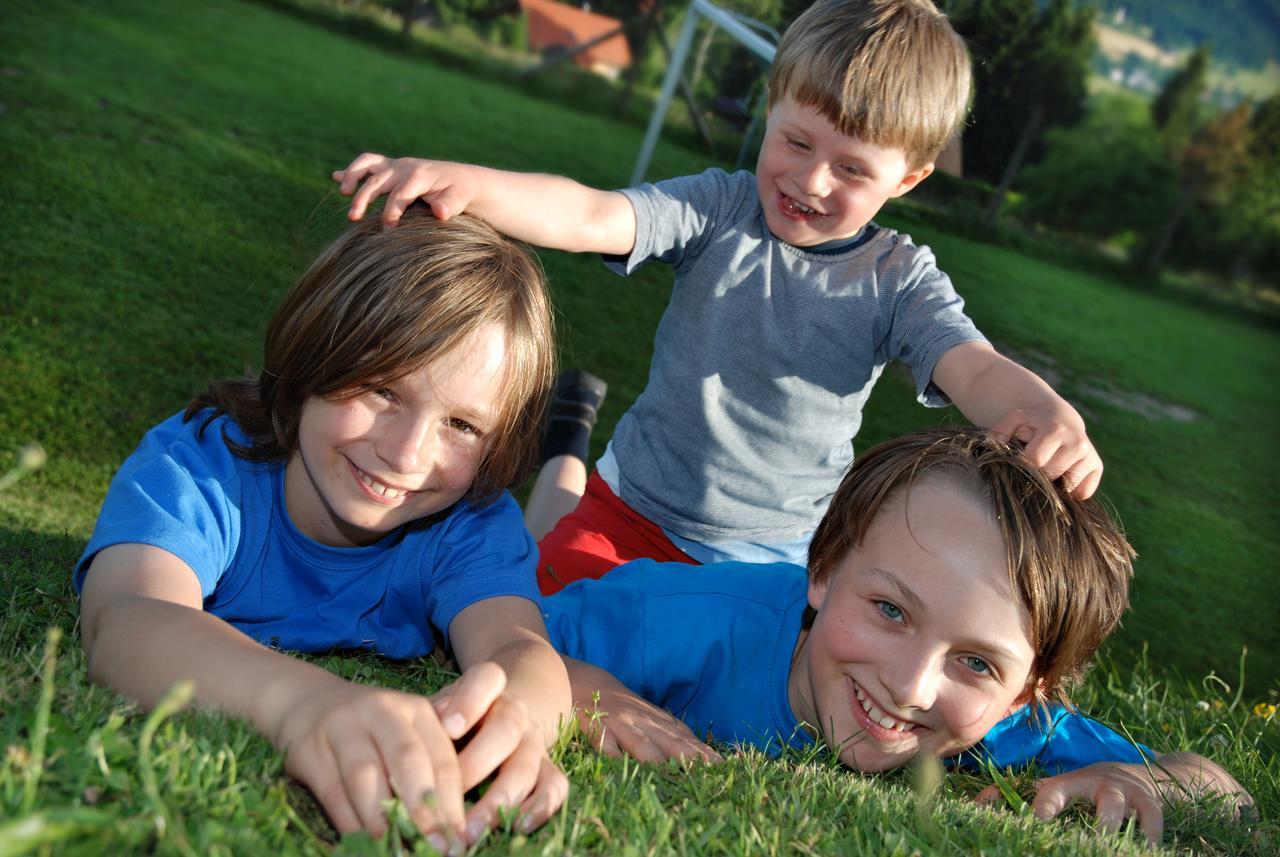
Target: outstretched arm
<point>516,709</point>
<point>1119,791</point>
<point>543,210</point>
<point>618,722</point>
<point>143,628</point>
<point>1011,400</point>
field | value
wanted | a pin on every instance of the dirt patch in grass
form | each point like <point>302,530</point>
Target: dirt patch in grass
<point>1139,403</point>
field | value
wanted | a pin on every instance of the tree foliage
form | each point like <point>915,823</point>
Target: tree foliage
<point>1176,110</point>
<point>1025,60</point>
<point>1105,177</point>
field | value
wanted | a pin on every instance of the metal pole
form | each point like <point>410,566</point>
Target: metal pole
<point>752,40</point>
<point>674,66</point>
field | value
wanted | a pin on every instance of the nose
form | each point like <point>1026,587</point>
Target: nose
<point>913,679</point>
<point>406,442</point>
<point>812,178</point>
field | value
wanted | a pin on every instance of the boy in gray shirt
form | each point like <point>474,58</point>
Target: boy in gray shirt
<point>788,303</point>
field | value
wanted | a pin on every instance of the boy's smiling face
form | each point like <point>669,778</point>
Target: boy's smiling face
<point>817,184</point>
<point>397,452</point>
<point>919,644</point>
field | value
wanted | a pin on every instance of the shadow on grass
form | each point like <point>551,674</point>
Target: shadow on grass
<point>35,588</point>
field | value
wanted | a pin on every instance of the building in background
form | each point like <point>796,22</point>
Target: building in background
<point>557,26</point>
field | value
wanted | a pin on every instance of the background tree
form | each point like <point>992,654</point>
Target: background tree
<point>1177,110</point>
<point>1030,69</point>
<point>1107,177</point>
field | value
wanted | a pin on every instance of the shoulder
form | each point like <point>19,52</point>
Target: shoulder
<point>713,184</point>
<point>198,445</point>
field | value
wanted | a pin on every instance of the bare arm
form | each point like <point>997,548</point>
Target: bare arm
<point>514,693</point>
<point>543,210</point>
<point>1011,400</point>
<point>143,628</point>
<point>616,720</point>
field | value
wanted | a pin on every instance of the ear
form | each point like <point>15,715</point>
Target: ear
<point>1025,698</point>
<point>818,591</point>
<point>913,178</point>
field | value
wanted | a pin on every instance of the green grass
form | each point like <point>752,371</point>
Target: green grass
<point>165,177</point>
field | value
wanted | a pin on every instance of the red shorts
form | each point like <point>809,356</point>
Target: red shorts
<point>599,535</point>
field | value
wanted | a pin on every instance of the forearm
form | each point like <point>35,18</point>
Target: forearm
<point>551,211</point>
<point>986,386</point>
<point>536,676</point>
<point>140,646</point>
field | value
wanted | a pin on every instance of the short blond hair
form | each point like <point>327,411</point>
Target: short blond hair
<point>380,303</point>
<point>889,72</point>
<point>1069,563</point>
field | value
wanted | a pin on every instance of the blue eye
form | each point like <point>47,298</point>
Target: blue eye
<point>890,611</point>
<point>978,665</point>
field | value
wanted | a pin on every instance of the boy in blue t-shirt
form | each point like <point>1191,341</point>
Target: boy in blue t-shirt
<point>788,302</point>
<point>953,591</point>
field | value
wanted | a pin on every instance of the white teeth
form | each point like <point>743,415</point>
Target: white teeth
<point>875,715</point>
<point>380,489</point>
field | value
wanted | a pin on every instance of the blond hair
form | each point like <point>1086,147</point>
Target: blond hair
<point>889,72</point>
<point>379,304</point>
<point>1069,562</point>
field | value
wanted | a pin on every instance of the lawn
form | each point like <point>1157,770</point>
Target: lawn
<point>165,177</point>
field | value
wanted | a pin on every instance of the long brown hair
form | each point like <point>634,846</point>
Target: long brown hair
<point>1069,562</point>
<point>379,304</point>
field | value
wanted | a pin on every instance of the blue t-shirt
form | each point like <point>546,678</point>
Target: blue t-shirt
<point>184,491</point>
<point>713,645</point>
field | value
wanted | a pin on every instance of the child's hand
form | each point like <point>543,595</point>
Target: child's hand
<point>505,740</point>
<point>356,746</point>
<point>1057,443</point>
<point>442,184</point>
<point>618,722</point>
<point>1118,791</point>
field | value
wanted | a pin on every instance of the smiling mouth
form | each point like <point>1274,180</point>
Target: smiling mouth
<point>381,489</point>
<point>797,210</point>
<point>879,724</point>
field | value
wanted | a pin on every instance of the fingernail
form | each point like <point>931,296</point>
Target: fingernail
<point>454,723</point>
<point>436,841</point>
<point>475,829</point>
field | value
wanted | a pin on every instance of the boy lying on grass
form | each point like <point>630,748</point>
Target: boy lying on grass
<point>353,495</point>
<point>953,591</point>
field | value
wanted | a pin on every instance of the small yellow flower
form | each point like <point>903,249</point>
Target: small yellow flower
<point>1166,728</point>
<point>1265,710</point>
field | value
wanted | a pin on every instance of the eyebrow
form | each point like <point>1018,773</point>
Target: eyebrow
<point>907,593</point>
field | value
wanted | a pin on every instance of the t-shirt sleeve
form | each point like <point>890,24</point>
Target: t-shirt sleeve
<point>485,553</point>
<point>928,320</point>
<point>179,492</point>
<point>1058,742</point>
<point>675,217</point>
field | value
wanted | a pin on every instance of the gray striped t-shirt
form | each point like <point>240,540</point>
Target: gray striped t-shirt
<point>764,359</point>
